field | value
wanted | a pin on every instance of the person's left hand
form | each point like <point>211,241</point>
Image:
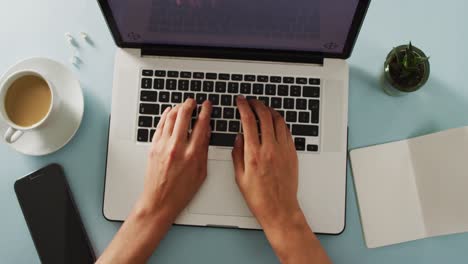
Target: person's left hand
<point>177,162</point>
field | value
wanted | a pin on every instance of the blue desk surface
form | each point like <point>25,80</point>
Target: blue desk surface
<point>36,28</point>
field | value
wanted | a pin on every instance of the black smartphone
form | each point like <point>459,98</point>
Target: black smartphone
<point>52,217</point>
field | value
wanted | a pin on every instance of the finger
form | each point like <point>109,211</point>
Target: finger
<point>170,121</point>
<point>238,157</point>
<point>280,127</point>
<point>160,127</point>
<point>249,125</point>
<point>266,121</point>
<point>200,137</point>
<point>184,117</point>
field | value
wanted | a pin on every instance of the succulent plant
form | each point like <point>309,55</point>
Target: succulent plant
<point>407,63</point>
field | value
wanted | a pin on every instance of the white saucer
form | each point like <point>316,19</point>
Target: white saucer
<point>61,128</point>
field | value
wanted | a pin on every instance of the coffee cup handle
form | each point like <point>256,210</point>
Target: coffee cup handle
<point>12,135</point>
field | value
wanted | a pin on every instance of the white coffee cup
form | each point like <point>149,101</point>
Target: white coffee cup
<point>15,131</point>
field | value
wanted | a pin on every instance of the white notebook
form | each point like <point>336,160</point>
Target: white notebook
<point>413,189</point>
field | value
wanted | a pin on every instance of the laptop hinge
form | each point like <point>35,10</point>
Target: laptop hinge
<point>234,54</point>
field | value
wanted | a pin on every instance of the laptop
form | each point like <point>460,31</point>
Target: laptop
<point>289,54</point>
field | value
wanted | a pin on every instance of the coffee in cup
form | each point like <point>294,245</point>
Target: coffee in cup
<point>27,100</point>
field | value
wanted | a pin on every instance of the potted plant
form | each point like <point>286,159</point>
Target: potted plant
<point>406,70</point>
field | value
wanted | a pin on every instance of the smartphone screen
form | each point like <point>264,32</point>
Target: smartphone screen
<point>52,217</point>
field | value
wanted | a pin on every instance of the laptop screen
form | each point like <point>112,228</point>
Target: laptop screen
<point>289,25</point>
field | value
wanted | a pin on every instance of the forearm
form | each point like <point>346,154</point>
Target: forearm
<point>294,242</point>
<point>138,237</point>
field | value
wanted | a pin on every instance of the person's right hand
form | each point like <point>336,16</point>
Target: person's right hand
<point>266,171</point>
<point>266,168</point>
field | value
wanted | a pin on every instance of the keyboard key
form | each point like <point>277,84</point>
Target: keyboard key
<point>305,130</point>
<point>188,95</point>
<point>238,116</point>
<point>171,84</point>
<point>160,73</point>
<point>152,131</point>
<point>214,98</point>
<point>291,116</point>
<point>142,135</point>
<point>198,75</point>
<point>224,76</point>
<point>222,139</point>
<point>258,88</point>
<point>176,98</point>
<point>216,112</point>
<point>145,121</point>
<point>183,85</point>
<point>195,86</point>
<point>208,86</point>
<point>186,74</point>
<point>276,102</point>
<point>228,113</point>
<point>281,112</point>
<point>288,79</point>
<point>211,76</point>
<point>275,79</point>
<point>304,117</point>
<point>158,84</point>
<point>234,126</point>
<point>220,87</point>
<point>314,111</point>
<point>311,91</point>
<point>246,88</point>
<point>301,80</point>
<point>164,97</point>
<point>283,90</point>
<point>314,104</point>
<point>262,78</point>
<point>164,106</point>
<point>265,100</point>
<point>221,125</point>
<point>146,83</point>
<point>270,89</point>
<point>301,104</point>
<point>193,122</point>
<point>147,73</point>
<point>156,120</point>
<point>212,124</point>
<point>236,77</point>
<point>226,100</point>
<point>148,96</point>
<point>173,74</point>
<point>249,78</point>
<point>233,88</point>
<point>200,98</point>
<point>288,103</point>
<point>314,81</point>
<point>251,97</point>
<point>149,109</point>
<point>299,143</point>
<point>315,116</point>
<point>312,148</point>
<point>295,90</point>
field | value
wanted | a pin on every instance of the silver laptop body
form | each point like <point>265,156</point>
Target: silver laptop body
<point>301,73</point>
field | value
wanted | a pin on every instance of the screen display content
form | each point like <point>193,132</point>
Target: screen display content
<point>289,25</point>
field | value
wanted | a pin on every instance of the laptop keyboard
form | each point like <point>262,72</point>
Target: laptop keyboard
<point>297,99</point>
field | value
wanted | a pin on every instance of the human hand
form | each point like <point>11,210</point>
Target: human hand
<point>266,171</point>
<point>266,168</point>
<point>177,163</point>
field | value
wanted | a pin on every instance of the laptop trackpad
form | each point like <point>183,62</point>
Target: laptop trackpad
<point>219,194</point>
